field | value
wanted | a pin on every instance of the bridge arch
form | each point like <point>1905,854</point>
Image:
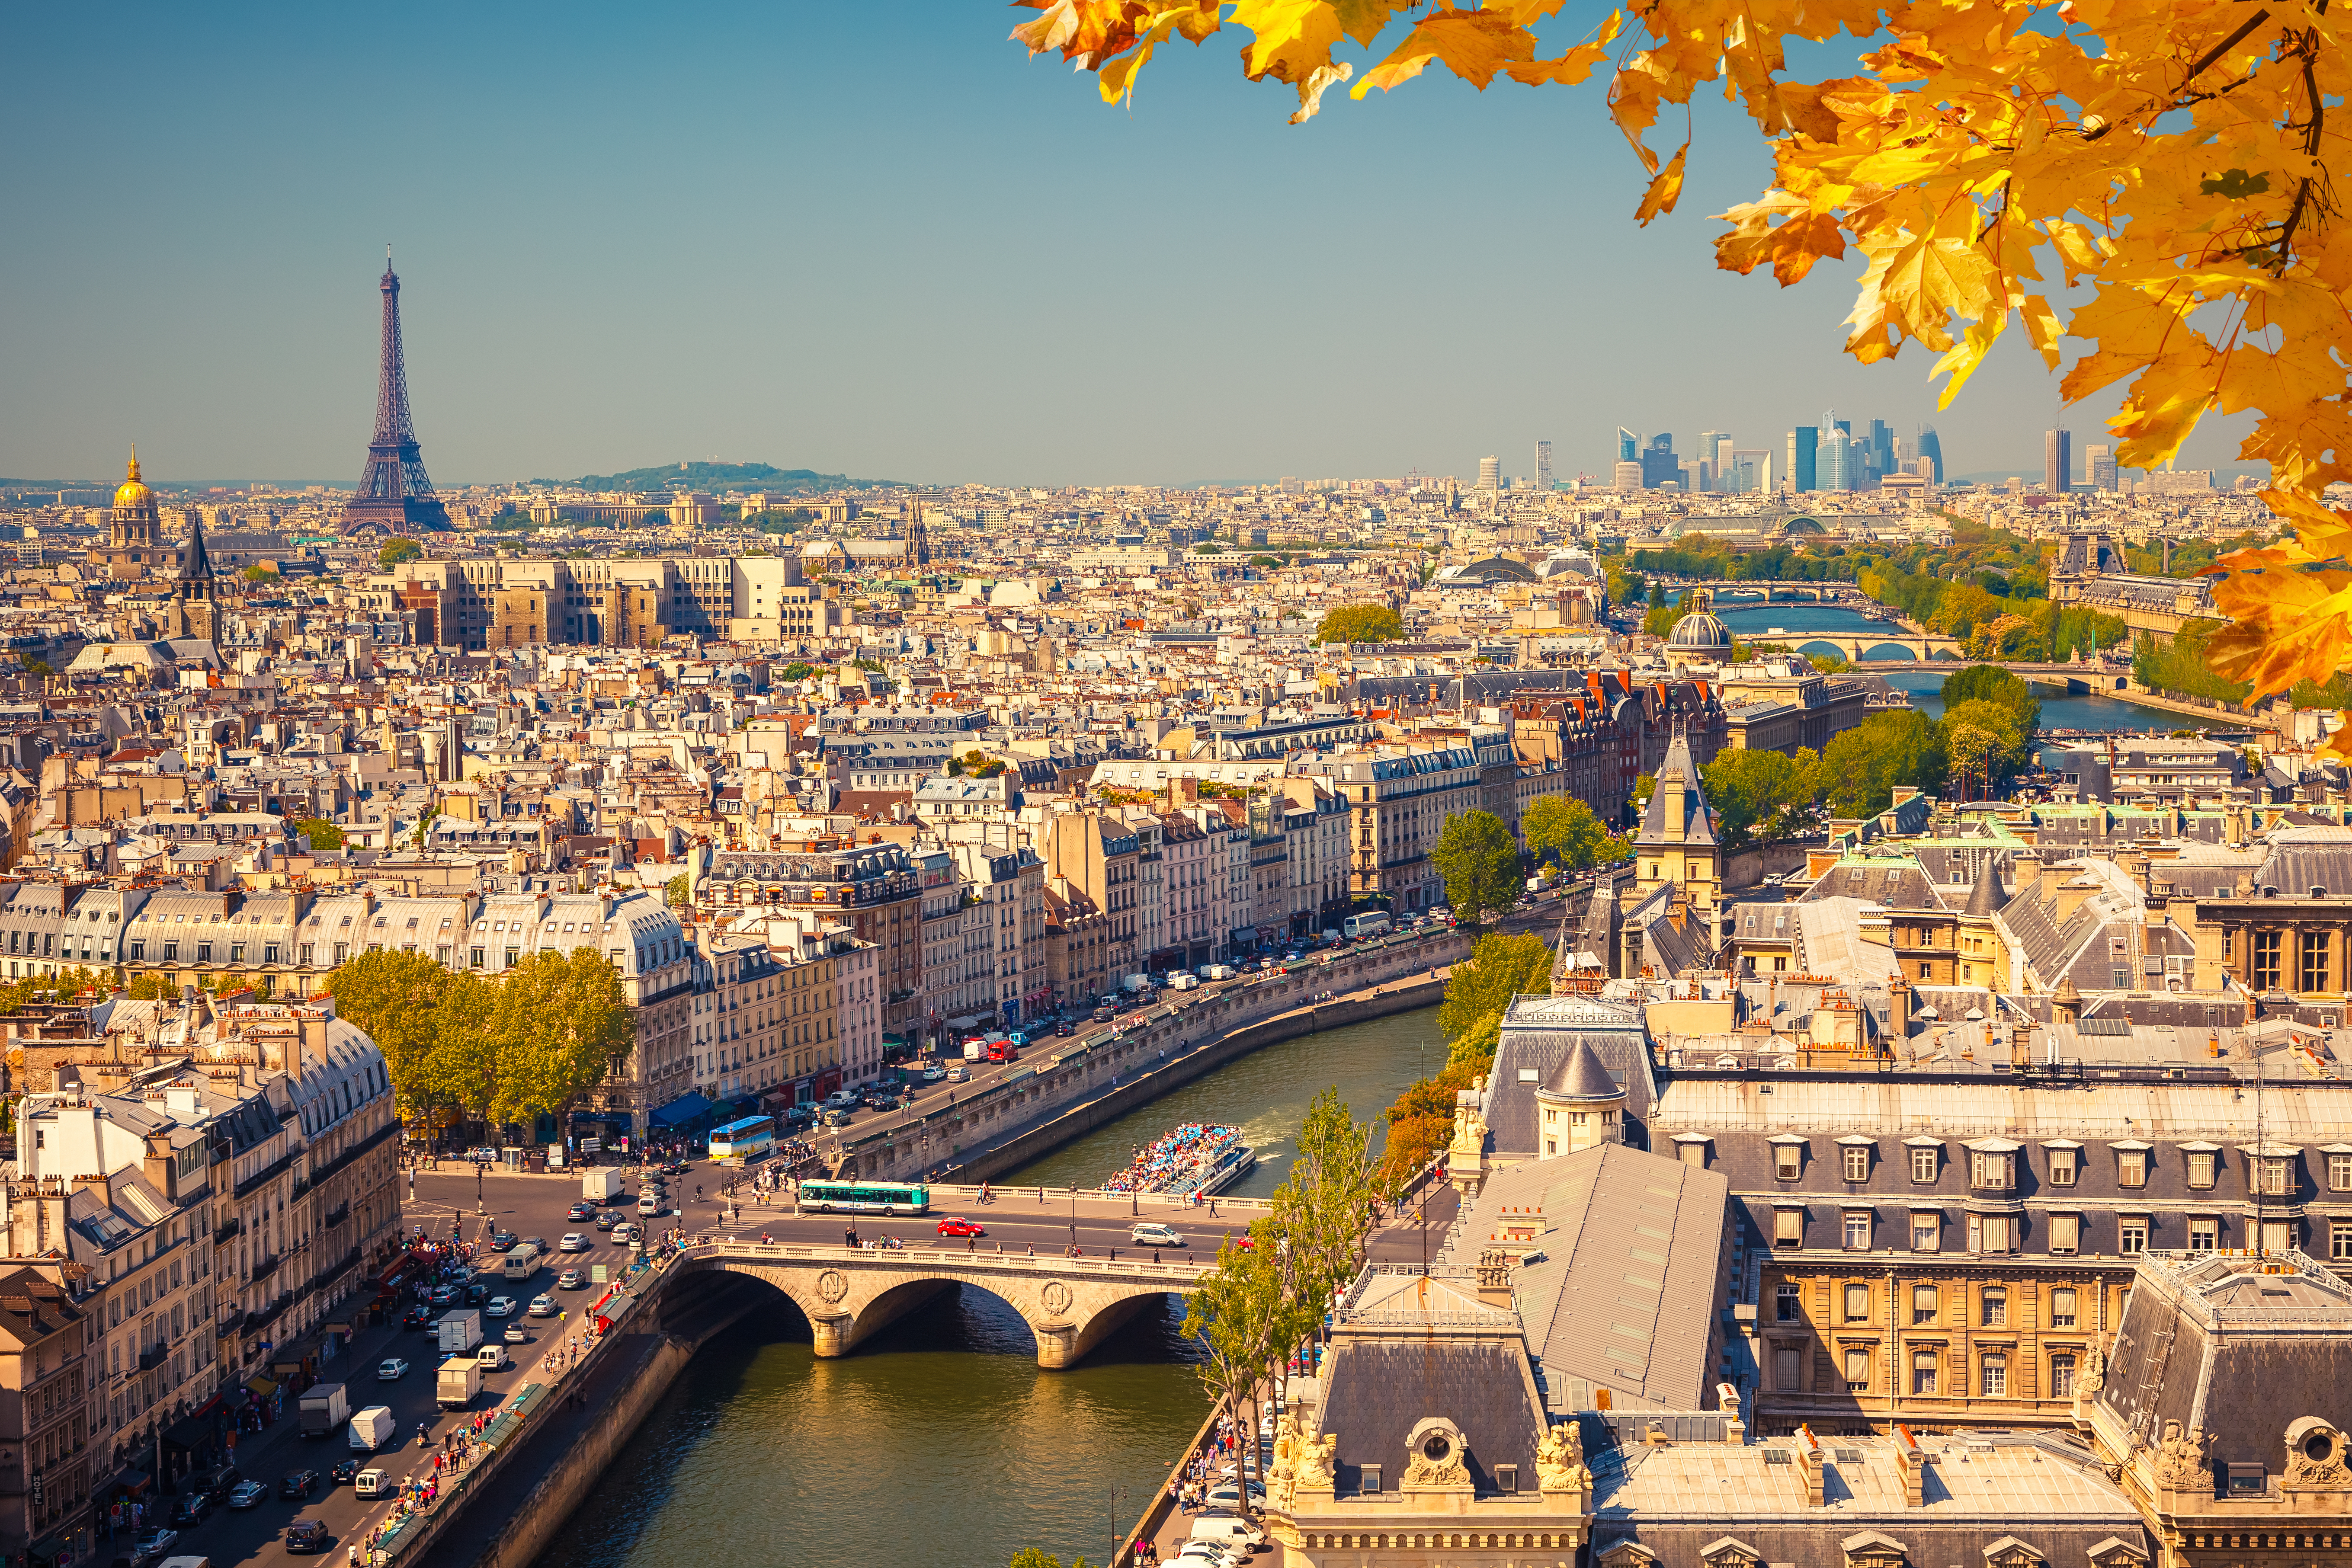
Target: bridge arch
<point>1071,1305</point>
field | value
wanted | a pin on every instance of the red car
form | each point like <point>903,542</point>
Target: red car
<point>959,1227</point>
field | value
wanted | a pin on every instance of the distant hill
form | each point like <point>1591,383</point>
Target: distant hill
<point>719,476</point>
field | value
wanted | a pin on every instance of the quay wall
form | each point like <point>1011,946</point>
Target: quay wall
<point>1070,1088</point>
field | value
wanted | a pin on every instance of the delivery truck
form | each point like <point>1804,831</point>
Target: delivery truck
<point>460,1332</point>
<point>460,1380</point>
<point>600,1184</point>
<point>324,1408</point>
<point>373,1429</point>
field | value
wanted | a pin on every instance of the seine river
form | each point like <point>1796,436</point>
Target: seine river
<point>1756,624</point>
<point>938,1443</point>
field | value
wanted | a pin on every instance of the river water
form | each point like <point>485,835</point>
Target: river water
<point>1793,622</point>
<point>938,1443</point>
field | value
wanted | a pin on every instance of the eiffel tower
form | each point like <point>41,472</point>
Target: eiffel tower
<point>394,497</point>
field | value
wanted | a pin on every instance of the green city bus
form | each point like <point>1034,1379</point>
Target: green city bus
<point>864,1198</point>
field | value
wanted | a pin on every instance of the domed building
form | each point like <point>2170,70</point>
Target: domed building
<point>1699,637</point>
<point>134,543</point>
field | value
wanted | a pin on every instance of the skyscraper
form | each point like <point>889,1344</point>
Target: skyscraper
<point>1833,462</point>
<point>1629,446</point>
<point>2099,467</point>
<point>2057,460</point>
<point>1933,450</point>
<point>1803,444</point>
<point>1659,464</point>
<point>1543,465</point>
<point>1627,477</point>
<point>1882,445</point>
<point>1490,473</point>
<point>393,494</point>
<point>1707,454</point>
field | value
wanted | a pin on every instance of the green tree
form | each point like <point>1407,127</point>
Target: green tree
<point>322,833</point>
<point>1761,794</point>
<point>1323,1210</point>
<point>1241,1313</point>
<point>798,671</point>
<point>394,552</point>
<point>1992,683</point>
<point>1660,618</point>
<point>1563,831</point>
<point>1480,863</point>
<point>1359,623</point>
<point>261,572</point>
<point>396,998</point>
<point>1861,766</point>
<point>1498,969</point>
<point>1962,608</point>
<point>1982,742</point>
<point>674,891</point>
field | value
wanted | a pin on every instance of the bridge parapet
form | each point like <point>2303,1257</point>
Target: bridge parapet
<point>849,1292</point>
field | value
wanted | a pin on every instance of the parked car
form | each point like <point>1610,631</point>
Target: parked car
<point>1152,1233</point>
<point>246,1494</point>
<point>581,1211</point>
<point>390,1369</point>
<point>501,1307</point>
<point>149,1545</point>
<point>573,1242</point>
<point>958,1225</point>
<point>307,1536</point>
<point>676,1167</point>
<point>298,1485</point>
<point>190,1509</point>
<point>542,1306</point>
<point>571,1280</point>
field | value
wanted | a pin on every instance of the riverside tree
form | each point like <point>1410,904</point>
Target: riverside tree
<point>1562,829</point>
<point>2151,186</point>
<point>1480,863</point>
<point>504,1049</point>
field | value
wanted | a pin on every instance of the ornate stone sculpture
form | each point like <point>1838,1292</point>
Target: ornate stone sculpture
<point>2315,1455</point>
<point>1313,1465</point>
<point>1281,1480</point>
<point>1560,1462</point>
<point>2093,1376</point>
<point>1434,1462</point>
<point>2179,1460</point>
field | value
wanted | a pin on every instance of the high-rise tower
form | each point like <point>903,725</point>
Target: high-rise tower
<point>1543,466</point>
<point>2057,460</point>
<point>394,496</point>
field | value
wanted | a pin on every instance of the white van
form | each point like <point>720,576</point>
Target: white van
<point>491,1357</point>
<point>373,1482</point>
<point>649,1203</point>
<point>1228,1529</point>
<point>1152,1233</point>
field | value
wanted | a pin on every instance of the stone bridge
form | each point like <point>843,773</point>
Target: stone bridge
<point>848,1293</point>
<point>1866,647</point>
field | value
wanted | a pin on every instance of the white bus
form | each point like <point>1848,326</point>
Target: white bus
<point>740,1142</point>
<point>1371,922</point>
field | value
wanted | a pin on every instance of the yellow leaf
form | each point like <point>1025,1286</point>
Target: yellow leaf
<point>1290,40</point>
<point>2041,326</point>
<point>1310,91</point>
<point>1665,191</point>
<point>1961,359</point>
<point>1473,45</point>
<point>1566,71</point>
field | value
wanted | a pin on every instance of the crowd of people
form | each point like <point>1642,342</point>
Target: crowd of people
<point>1186,1152</point>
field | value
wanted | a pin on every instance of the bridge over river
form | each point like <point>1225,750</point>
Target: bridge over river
<point>849,1292</point>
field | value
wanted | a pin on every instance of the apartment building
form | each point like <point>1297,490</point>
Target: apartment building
<point>1101,855</point>
<point>1400,798</point>
<point>600,602</point>
<point>49,1469</point>
<point>872,889</point>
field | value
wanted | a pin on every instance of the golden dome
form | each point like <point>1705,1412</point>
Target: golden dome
<point>132,496</point>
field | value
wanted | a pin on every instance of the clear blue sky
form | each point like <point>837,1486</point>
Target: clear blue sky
<point>870,239</point>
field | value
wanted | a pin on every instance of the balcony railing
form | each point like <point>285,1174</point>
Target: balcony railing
<point>264,1266</point>
<point>152,1357</point>
<point>228,1230</point>
<point>338,1214</point>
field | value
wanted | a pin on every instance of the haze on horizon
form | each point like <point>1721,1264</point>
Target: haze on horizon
<point>880,242</point>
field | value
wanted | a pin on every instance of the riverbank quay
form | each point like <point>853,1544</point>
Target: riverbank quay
<point>1067,1086</point>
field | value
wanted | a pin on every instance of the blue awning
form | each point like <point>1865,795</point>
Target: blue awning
<point>684,1108</point>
